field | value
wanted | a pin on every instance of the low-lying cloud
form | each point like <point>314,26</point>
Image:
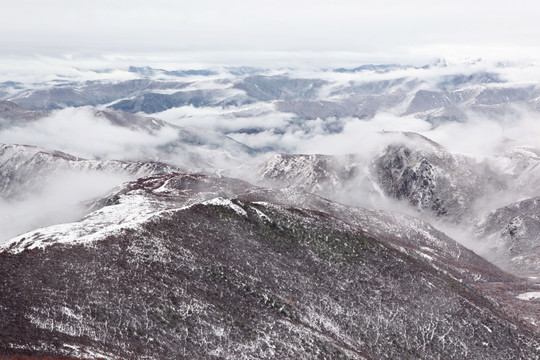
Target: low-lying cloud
<point>79,132</point>
<point>60,200</point>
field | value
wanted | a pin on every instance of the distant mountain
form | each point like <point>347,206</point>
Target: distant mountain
<point>192,140</point>
<point>147,71</point>
<point>371,67</point>
<point>194,266</point>
<point>513,234</point>
<point>83,95</point>
<point>196,149</point>
<point>25,169</point>
<point>131,121</point>
<point>453,82</point>
<point>279,87</point>
<point>405,91</point>
<point>9,87</point>
<point>153,102</point>
<point>13,114</point>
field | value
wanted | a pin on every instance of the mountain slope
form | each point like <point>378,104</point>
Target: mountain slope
<point>154,102</point>
<point>26,169</point>
<point>83,95</point>
<point>135,137</point>
<point>12,114</point>
<point>412,168</point>
<point>513,233</point>
<point>202,274</point>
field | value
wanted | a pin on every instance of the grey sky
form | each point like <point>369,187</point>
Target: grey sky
<point>382,27</point>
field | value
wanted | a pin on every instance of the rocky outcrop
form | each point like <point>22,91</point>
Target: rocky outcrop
<point>433,180</point>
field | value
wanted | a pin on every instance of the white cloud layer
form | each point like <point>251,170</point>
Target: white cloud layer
<point>78,132</point>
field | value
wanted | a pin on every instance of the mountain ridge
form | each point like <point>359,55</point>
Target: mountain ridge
<point>300,266</point>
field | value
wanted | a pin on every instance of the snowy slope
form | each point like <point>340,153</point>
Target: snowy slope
<point>26,169</point>
<point>168,263</point>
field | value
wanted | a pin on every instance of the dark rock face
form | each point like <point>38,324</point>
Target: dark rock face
<point>240,279</point>
<point>404,175</point>
<point>434,180</point>
<point>514,230</point>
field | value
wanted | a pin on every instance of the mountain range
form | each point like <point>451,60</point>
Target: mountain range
<point>207,234</point>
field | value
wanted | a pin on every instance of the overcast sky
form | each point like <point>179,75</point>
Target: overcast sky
<point>381,28</point>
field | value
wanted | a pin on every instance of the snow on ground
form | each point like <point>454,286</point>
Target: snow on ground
<point>128,213</point>
<point>529,295</point>
<point>425,255</point>
<point>262,215</point>
<point>226,203</point>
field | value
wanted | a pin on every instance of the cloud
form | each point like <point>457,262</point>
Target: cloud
<point>59,201</point>
<point>481,136</point>
<point>229,119</point>
<point>79,132</point>
<point>318,137</point>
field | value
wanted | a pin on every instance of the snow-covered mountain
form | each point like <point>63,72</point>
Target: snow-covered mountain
<point>11,114</point>
<point>425,179</point>
<point>206,213</point>
<point>434,180</point>
<point>513,232</point>
<point>67,95</point>
<point>320,174</point>
<point>410,168</point>
<point>139,137</point>
<point>26,169</point>
<point>426,92</point>
<point>206,260</point>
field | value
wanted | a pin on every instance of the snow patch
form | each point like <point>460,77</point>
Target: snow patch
<point>425,255</point>
<point>130,212</point>
<point>227,203</point>
<point>529,295</point>
<point>262,215</point>
<point>84,352</point>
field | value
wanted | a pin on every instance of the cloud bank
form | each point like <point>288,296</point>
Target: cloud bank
<point>79,132</point>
